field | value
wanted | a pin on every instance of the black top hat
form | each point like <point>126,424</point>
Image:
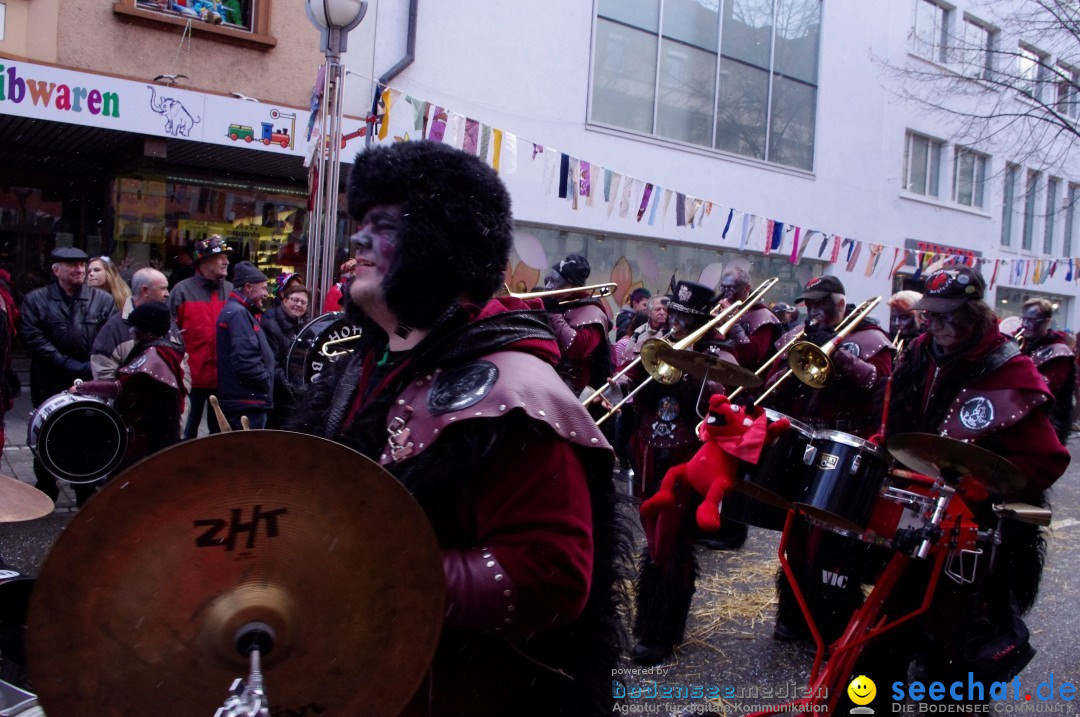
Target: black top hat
<point>819,287</point>
<point>949,288</point>
<point>690,298</point>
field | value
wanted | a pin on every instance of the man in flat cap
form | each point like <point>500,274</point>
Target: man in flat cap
<point>59,324</point>
<point>245,360</point>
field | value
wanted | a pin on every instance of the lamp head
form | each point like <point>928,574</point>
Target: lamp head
<point>341,14</point>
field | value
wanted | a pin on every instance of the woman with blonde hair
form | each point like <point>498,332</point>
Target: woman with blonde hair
<point>102,274</point>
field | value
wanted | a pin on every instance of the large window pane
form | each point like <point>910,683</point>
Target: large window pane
<point>747,31</point>
<point>642,14</point>
<point>798,26</point>
<point>740,121</point>
<point>624,79</point>
<point>687,89</point>
<point>1008,196</point>
<point>1031,199</point>
<point>791,129</point>
<point>1051,213</point>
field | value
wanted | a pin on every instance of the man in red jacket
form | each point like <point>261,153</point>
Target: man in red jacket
<point>195,303</point>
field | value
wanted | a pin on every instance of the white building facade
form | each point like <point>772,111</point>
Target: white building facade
<point>685,136</point>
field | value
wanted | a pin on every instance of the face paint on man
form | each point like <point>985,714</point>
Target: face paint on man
<point>1035,323</point>
<point>824,313</point>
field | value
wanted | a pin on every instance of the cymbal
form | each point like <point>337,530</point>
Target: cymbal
<point>21,501</point>
<point>942,457</point>
<point>136,609</point>
<point>699,365</point>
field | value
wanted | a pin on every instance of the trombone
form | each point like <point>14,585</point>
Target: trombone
<point>811,363</point>
<point>669,375</point>
<point>595,291</point>
<point>772,359</point>
<point>620,374</point>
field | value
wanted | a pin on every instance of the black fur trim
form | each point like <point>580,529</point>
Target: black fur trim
<point>457,227</point>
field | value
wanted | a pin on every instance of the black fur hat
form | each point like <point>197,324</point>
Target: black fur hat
<point>456,229</point>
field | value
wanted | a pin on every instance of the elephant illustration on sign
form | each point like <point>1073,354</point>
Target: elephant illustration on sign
<point>179,120</point>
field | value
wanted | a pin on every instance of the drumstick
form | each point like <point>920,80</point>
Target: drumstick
<point>222,423</point>
<point>245,423</point>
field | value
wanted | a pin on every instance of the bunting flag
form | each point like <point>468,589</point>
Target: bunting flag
<point>853,254</point>
<point>837,242</point>
<point>872,260</point>
<point>384,125</point>
<point>655,204</point>
<point>695,207</point>
<point>747,225</point>
<point>508,154</point>
<point>485,141</point>
<point>471,139</point>
<point>564,174</point>
<point>586,180</point>
<point>438,124</point>
<point>663,209</point>
<point>680,209</point>
<point>645,196</point>
<point>794,258</point>
<point>420,112</point>
<point>770,231</point>
<point>575,170</point>
<point>627,196</point>
<point>616,180</point>
<point>898,265</point>
<point>993,275</point>
<point>727,224</point>
<point>1068,272</point>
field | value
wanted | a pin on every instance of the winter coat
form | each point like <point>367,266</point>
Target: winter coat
<point>245,362</point>
<point>59,334</point>
<point>195,304</point>
<point>280,330</point>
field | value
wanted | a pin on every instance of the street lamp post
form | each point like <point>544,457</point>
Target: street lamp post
<point>334,19</point>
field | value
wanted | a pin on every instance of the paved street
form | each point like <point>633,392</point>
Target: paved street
<point>729,643</point>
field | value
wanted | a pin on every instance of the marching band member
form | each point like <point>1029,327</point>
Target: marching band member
<point>1050,352</point>
<point>851,402</point>
<point>455,393</point>
<point>581,324</point>
<point>966,380</point>
<point>753,335</point>
<point>905,323</point>
<point>666,418</point>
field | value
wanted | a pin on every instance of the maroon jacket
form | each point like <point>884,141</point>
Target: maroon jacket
<point>1000,404</point>
<point>1056,362</point>
<point>760,328</point>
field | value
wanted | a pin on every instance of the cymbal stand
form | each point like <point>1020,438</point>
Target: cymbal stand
<point>248,699</point>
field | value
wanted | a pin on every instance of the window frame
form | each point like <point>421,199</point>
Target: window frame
<point>1031,199</point>
<point>986,67</point>
<point>978,183</point>
<point>939,48</point>
<point>1071,217</point>
<point>258,37</point>
<point>1068,78</point>
<point>1053,185</point>
<point>932,175</point>
<point>1008,203</point>
<point>1032,87</point>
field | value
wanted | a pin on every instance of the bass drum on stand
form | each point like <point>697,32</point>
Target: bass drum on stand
<point>308,355</point>
<point>79,439</point>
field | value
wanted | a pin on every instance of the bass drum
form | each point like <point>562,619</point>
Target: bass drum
<point>306,360</point>
<point>79,439</point>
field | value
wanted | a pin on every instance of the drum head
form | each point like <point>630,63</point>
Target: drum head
<point>82,441</point>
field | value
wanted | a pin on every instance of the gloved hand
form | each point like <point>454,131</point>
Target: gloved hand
<point>74,366</point>
<point>817,335</point>
<point>737,335</point>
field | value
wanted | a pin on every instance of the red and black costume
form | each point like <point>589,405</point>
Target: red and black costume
<point>753,343</point>
<point>1057,363</point>
<point>516,480</point>
<point>990,394</point>
<point>582,334</point>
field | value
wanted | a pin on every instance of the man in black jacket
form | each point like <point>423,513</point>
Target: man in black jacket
<point>59,324</point>
<point>245,361</point>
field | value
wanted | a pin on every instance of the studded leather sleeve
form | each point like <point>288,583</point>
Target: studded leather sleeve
<point>480,595</point>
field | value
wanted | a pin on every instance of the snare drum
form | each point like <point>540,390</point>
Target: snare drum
<point>780,477</point>
<point>17,702</point>
<point>845,477</point>
<point>744,509</point>
<point>78,439</point>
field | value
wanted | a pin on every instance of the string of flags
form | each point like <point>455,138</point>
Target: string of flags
<point>585,184</point>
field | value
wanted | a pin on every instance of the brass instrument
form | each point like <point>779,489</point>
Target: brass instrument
<point>335,342</point>
<point>811,363</point>
<point>592,396</point>
<point>595,291</point>
<point>772,360</point>
<point>1018,337</point>
<point>669,375</point>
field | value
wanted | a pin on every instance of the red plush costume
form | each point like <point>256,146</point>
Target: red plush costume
<point>730,436</point>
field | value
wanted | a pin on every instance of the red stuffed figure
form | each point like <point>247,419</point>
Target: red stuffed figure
<point>731,435</point>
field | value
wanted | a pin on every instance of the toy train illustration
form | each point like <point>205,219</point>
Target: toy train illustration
<point>269,134</point>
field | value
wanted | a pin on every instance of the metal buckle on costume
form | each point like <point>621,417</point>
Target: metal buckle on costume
<point>398,443</point>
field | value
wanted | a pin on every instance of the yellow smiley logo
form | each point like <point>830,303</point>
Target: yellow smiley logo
<point>862,690</point>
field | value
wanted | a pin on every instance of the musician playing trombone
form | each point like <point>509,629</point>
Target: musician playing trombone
<point>905,322</point>
<point>851,402</point>
<point>751,339</point>
<point>666,416</point>
<point>581,323</point>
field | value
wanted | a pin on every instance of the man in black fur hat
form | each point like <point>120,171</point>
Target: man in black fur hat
<point>455,393</point>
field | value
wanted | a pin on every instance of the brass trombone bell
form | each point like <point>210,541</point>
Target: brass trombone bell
<point>335,342</point>
<point>811,365</point>
<point>594,291</point>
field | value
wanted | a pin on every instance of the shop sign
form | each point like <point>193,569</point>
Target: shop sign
<point>60,95</point>
<point>234,232</point>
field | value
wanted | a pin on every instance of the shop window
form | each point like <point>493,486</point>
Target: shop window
<point>244,22</point>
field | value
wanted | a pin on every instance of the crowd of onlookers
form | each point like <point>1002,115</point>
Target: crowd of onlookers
<point>156,350</point>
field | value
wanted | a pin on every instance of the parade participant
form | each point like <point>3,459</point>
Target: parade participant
<point>9,323</point>
<point>1050,352</point>
<point>851,402</point>
<point>581,324</point>
<point>786,314</point>
<point>195,303</point>
<point>636,304</point>
<point>905,323</point>
<point>966,380</point>
<point>655,327</point>
<point>149,386</point>
<point>59,324</point>
<point>751,338</point>
<point>244,358</point>
<point>115,341</point>
<point>455,393</point>
<point>666,418</point>
<point>281,323</point>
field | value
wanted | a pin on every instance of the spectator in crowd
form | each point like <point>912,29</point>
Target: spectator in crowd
<point>149,386</point>
<point>636,304</point>
<point>59,324</point>
<point>9,326</point>
<point>335,296</point>
<point>245,361</point>
<point>114,342</point>
<point>102,274</point>
<point>195,303</point>
<point>281,323</point>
